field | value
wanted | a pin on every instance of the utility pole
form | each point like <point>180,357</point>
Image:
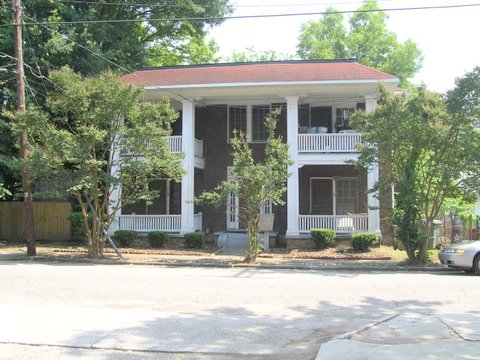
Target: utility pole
<point>28,200</point>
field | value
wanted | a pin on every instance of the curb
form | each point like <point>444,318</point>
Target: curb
<point>338,266</point>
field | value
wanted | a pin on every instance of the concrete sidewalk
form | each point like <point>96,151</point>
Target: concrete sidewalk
<point>409,337</point>
<point>265,261</point>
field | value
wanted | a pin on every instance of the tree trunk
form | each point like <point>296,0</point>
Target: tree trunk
<point>252,251</point>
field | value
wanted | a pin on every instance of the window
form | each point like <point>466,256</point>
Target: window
<point>334,196</point>
<point>267,207</point>
<point>321,196</point>
<point>259,130</point>
<point>342,120</point>
<point>250,120</point>
<point>347,196</point>
<point>321,117</point>
<point>237,120</point>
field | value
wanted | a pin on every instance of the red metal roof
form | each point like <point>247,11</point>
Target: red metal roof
<point>259,72</point>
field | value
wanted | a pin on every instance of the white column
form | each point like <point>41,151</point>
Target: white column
<point>373,202</point>
<point>188,148</point>
<point>292,182</point>
<point>370,103</point>
<point>372,180</point>
<point>114,201</point>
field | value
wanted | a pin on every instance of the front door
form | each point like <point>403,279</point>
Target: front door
<point>233,205</point>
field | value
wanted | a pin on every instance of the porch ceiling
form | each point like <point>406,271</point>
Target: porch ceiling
<point>307,91</point>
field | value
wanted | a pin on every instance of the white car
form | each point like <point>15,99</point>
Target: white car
<point>464,256</point>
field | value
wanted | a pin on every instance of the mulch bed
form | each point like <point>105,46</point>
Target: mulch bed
<point>331,254</point>
<point>137,251</point>
<point>327,254</point>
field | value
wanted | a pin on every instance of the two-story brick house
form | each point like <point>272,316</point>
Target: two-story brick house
<point>317,98</point>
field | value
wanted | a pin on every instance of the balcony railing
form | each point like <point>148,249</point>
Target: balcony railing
<point>175,145</point>
<point>339,223</point>
<point>328,143</point>
<point>147,223</point>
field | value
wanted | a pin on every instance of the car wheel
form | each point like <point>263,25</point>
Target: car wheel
<point>476,264</point>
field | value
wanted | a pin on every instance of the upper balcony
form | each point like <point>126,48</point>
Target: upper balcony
<point>329,143</point>
<point>175,145</point>
<point>328,148</point>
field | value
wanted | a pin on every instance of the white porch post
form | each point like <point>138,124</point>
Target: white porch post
<point>188,148</point>
<point>373,202</point>
<point>292,182</point>
<point>114,203</point>
<point>372,179</point>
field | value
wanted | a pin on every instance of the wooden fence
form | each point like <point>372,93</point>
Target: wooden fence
<point>51,220</point>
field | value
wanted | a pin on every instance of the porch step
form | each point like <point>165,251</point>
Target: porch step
<point>234,241</point>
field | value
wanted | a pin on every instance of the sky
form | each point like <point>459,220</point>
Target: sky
<point>448,38</point>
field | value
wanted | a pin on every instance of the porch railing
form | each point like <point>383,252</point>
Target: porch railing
<point>175,145</point>
<point>329,142</point>
<point>146,223</point>
<point>339,223</point>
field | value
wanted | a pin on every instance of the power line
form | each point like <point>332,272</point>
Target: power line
<point>120,21</point>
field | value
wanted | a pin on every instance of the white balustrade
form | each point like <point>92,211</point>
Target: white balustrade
<point>175,144</point>
<point>329,142</point>
<point>146,223</point>
<point>169,223</point>
<point>339,223</point>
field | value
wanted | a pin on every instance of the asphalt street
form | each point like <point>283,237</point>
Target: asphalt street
<point>72,311</point>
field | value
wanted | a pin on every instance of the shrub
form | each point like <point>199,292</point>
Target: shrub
<point>76,226</point>
<point>125,237</point>
<point>156,239</point>
<point>77,232</point>
<point>194,240</point>
<point>364,240</point>
<point>323,238</point>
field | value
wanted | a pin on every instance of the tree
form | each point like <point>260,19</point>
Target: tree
<point>94,126</point>
<point>255,183</point>
<point>91,48</point>
<point>191,51</point>
<point>367,40</point>
<point>126,43</point>
<point>250,54</point>
<point>427,153</point>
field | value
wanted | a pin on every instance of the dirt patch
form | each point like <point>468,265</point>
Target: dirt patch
<point>330,254</point>
<point>135,251</point>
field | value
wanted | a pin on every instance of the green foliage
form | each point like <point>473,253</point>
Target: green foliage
<point>4,192</point>
<point>323,238</point>
<point>255,183</point>
<point>194,240</point>
<point>252,55</point>
<point>125,43</point>
<point>125,237</point>
<point>157,239</point>
<point>78,233</point>
<point>364,240</point>
<point>428,152</point>
<point>367,40</point>
<point>94,126</point>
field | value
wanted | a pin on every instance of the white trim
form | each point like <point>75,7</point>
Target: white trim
<point>273,83</point>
